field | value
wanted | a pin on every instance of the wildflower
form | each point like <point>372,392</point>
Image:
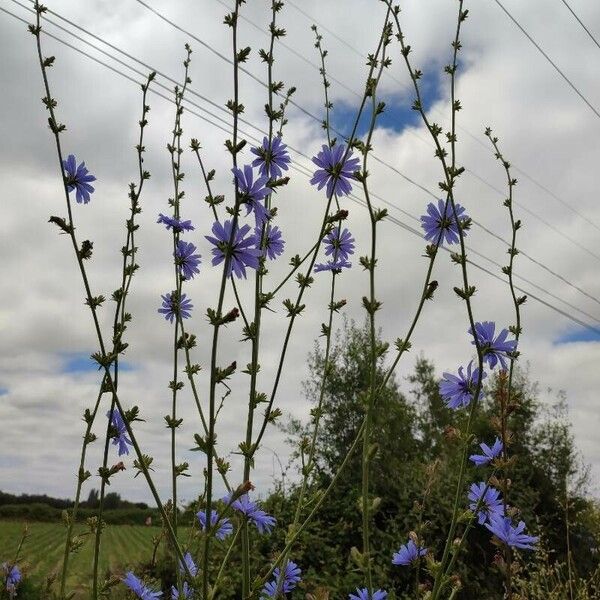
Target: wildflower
<point>364,595</point>
<point>263,522</point>
<point>440,221</point>
<point>78,178</point>
<point>458,390</point>
<point>514,537</point>
<point>138,587</point>
<point>339,244</point>
<point>485,501</point>
<point>252,192</point>
<point>273,244</point>
<point>175,224</point>
<point>120,439</point>
<point>186,592</point>
<point>282,584</point>
<point>489,454</point>
<point>408,554</point>
<point>172,306</point>
<point>189,563</point>
<point>186,260</point>
<point>225,527</point>
<point>494,350</point>
<point>333,265</point>
<point>242,251</point>
<point>12,576</point>
<point>333,172</point>
<point>272,158</point>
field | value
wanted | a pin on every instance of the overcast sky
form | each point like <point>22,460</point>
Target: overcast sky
<point>46,334</point>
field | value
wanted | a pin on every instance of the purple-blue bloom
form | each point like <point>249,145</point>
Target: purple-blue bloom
<point>253,192</point>
<point>175,224</point>
<point>77,178</point>
<point>458,390</point>
<point>489,454</point>
<point>273,159</point>
<point>333,172</point>
<point>263,522</point>
<point>273,242</point>
<point>408,554</point>
<point>186,592</point>
<point>189,563</point>
<point>225,526</point>
<point>339,245</point>
<point>120,439</point>
<point>242,251</point>
<point>291,576</point>
<point>333,265</point>
<point>13,576</point>
<point>186,260</point>
<point>514,537</point>
<point>440,220</point>
<point>494,349</point>
<point>171,307</point>
<point>485,501</point>
<point>363,594</point>
<point>139,589</point>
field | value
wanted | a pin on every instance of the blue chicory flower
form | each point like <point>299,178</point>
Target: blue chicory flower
<point>13,576</point>
<point>339,245</point>
<point>363,594</point>
<point>291,577</point>
<point>138,587</point>
<point>171,307</point>
<point>253,192</point>
<point>408,554</point>
<point>485,501</point>
<point>242,251</point>
<point>177,225</point>
<point>120,439</point>
<point>273,242</point>
<point>186,592</point>
<point>458,390</point>
<point>77,178</point>
<point>489,454</point>
<point>440,221</point>
<point>333,265</point>
<point>186,260</point>
<point>263,522</point>
<point>225,526</point>
<point>494,349</point>
<point>334,172</point>
<point>272,158</point>
<point>514,537</point>
<point>190,564</point>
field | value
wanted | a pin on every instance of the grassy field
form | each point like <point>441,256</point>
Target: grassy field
<point>123,546</point>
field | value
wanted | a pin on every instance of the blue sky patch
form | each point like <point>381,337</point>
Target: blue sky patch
<point>3,391</point>
<point>398,112</point>
<point>81,362</point>
<point>578,335</point>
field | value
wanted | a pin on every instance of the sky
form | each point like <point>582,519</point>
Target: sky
<point>46,336</point>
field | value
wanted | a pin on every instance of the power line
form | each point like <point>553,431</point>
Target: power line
<point>317,119</point>
<point>581,23</point>
<point>190,90</point>
<point>411,181</point>
<point>475,138</point>
<point>545,55</point>
<point>308,173</point>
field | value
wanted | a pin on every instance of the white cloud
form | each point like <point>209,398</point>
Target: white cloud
<point>544,128</point>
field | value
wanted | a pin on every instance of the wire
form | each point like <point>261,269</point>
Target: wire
<point>306,172</point>
<point>581,23</point>
<point>473,137</point>
<point>560,277</point>
<point>318,120</point>
<point>543,53</point>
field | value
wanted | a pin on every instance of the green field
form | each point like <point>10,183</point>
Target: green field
<point>123,546</point>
